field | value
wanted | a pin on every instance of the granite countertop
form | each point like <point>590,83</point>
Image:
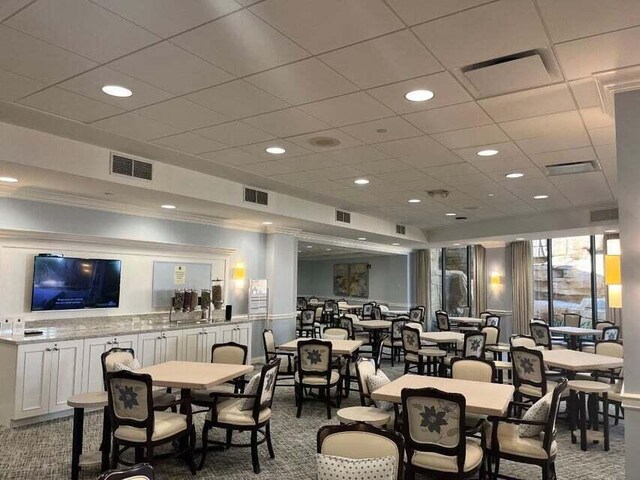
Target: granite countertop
<point>108,329</point>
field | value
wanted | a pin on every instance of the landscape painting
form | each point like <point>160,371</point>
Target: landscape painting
<point>351,280</point>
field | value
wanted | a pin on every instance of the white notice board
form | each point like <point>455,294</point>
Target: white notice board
<point>258,299</point>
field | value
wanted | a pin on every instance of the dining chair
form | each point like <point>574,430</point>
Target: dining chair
<point>415,356</point>
<point>314,371</point>
<point>436,437</point>
<point>541,335</point>
<point>473,346</point>
<point>314,300</point>
<point>442,320</point>
<point>492,321</point>
<point>376,313</point>
<point>367,310</point>
<point>250,411</point>
<point>301,303</point>
<point>135,424</point>
<point>306,327</point>
<point>524,440</point>
<point>492,334</point>
<point>609,332</point>
<point>572,320</point>
<point>335,333</point>
<point>140,471</point>
<point>522,341</point>
<point>477,370</point>
<point>344,448</point>
<point>394,341</point>
<point>416,315</point>
<point>271,352</point>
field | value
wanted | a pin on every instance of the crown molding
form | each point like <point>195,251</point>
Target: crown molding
<point>616,81</point>
<point>355,244</point>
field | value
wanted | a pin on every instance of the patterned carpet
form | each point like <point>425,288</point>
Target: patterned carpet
<point>43,451</point>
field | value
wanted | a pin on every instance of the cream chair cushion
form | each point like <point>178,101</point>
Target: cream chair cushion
<point>318,380</point>
<point>532,391</point>
<point>510,442</point>
<point>446,463</point>
<point>162,397</point>
<point>359,445</point>
<point>341,468</point>
<point>166,424</point>
<point>229,412</point>
<point>396,343</point>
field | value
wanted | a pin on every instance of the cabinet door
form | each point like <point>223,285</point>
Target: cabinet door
<point>192,345</point>
<point>33,376</point>
<point>127,341</point>
<point>228,333</point>
<point>171,346</point>
<point>210,338</point>
<point>92,380</point>
<point>66,373</point>
<point>243,337</point>
<point>149,348</point>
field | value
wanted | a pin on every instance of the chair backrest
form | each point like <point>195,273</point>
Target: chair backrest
<point>376,313</point>
<point>380,350</point>
<point>572,319</point>
<point>335,333</point>
<point>361,440</point>
<point>541,334</point>
<point>492,335</point>
<point>313,300</point>
<point>131,400</point>
<point>115,355</point>
<point>307,317</point>
<point>539,320</point>
<point>485,314</point>
<point>331,306</point>
<point>229,352</point>
<point>415,315</point>
<point>522,341</point>
<point>347,323</point>
<point>269,343</point>
<point>384,308</point>
<point>410,340</point>
<point>442,319</point>
<point>367,309</point>
<point>266,387</point>
<point>528,368</point>
<point>364,368</point>
<point>141,471</point>
<point>466,311</point>
<point>476,369</point>
<point>301,303</point>
<point>552,417</point>
<point>610,348</point>
<point>611,333</point>
<point>314,358</point>
<point>604,324</point>
<point>434,421</point>
<point>342,304</point>
<point>416,325</point>
<point>318,313</point>
<point>396,328</point>
<point>492,321</point>
<point>474,343</point>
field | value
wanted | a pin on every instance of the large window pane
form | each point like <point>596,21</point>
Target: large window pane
<point>456,281</point>
<point>601,289</point>
<point>436,282</point>
<point>540,255</point>
<point>571,262</point>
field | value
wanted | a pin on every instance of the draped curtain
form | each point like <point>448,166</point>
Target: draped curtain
<point>423,280</point>
<point>480,279</point>
<point>522,278</point>
<point>614,315</point>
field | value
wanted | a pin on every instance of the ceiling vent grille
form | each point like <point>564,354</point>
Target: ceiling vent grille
<point>571,168</point>
<point>130,167</point>
<point>604,215</point>
<point>343,217</point>
<point>256,196</point>
<point>401,229</point>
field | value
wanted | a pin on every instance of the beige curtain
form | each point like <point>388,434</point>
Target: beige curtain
<point>480,279</point>
<point>522,279</point>
<point>614,315</point>
<point>423,281</point>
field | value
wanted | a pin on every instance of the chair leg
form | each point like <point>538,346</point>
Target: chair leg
<point>229,437</point>
<point>205,441</point>
<point>114,454</point>
<point>410,474</point>
<point>327,397</point>
<point>299,399</point>
<point>254,451</point>
<point>267,433</point>
<point>393,354</point>
<point>139,455</point>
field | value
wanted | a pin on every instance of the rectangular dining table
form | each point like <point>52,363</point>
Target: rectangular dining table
<point>338,347</point>
<point>482,398</point>
<point>467,321</point>
<point>443,337</point>
<point>376,327</point>
<point>574,333</point>
<point>573,361</point>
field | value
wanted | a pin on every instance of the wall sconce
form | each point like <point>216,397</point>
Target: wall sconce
<point>495,279</point>
<point>239,273</point>
<point>613,273</point>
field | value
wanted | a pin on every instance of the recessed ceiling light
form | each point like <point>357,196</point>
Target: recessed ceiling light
<point>275,150</point>
<point>450,214</point>
<point>396,244</point>
<point>267,223</point>
<point>540,197</point>
<point>362,238</point>
<point>168,207</point>
<point>520,239</point>
<point>419,95</point>
<point>514,175</point>
<point>309,246</point>
<point>328,249</point>
<point>611,231</point>
<point>361,181</point>
<point>457,244</point>
<point>8,179</point>
<point>299,251</point>
<point>491,194</point>
<point>117,91</point>
<point>414,200</point>
<point>489,152</point>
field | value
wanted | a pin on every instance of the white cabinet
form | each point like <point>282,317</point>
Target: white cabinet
<point>238,333</point>
<point>92,380</point>
<point>159,347</point>
<point>197,343</point>
<point>47,374</point>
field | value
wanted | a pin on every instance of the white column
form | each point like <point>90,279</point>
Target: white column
<point>627,106</point>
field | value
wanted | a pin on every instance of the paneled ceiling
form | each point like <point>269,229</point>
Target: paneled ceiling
<point>224,79</point>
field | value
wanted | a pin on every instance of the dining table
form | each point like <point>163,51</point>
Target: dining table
<point>376,327</point>
<point>338,347</point>
<point>573,333</point>
<point>466,321</point>
<point>574,361</point>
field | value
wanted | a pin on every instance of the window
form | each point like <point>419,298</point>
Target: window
<point>436,281</point>
<point>456,285</point>
<point>601,288</point>
<point>540,254</point>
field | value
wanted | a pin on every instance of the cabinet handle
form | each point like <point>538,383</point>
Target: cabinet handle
<point>48,349</point>
<point>160,337</point>
<point>115,342</point>
<point>55,349</point>
<point>109,343</point>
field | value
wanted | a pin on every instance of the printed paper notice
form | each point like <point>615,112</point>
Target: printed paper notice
<point>179,275</point>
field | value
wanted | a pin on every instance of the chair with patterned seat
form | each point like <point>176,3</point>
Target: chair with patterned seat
<point>542,336</point>
<point>306,325</point>
<point>271,352</point>
<point>416,315</point>
<point>473,347</point>
<point>418,357</point>
<point>394,341</point>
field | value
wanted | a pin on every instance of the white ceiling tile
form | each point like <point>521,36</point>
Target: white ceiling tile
<point>235,134</point>
<point>135,126</point>
<point>329,24</point>
<point>232,156</point>
<point>38,60</point>
<point>169,17</point>
<point>287,122</point>
<point>16,86</point>
<point>462,39</point>
<point>182,113</point>
<point>446,88</point>
<point>586,93</point>
<point>187,72</point>
<point>564,156</point>
<point>81,27</point>
<point>530,103</point>
<point>603,136</point>
<point>314,161</point>
<point>350,156</point>
<point>453,117</point>
<point>595,117</point>
<point>404,174</point>
<point>346,141</point>
<point>382,166</point>
<point>336,173</point>
<point>423,146</point>
<point>418,11</point>
<point>237,99</point>
<point>386,59</point>
<point>584,188</point>
<point>554,142</point>
<point>384,130</point>
<point>469,137</point>
<point>348,109</point>
<point>189,143</point>
<point>9,7</point>
<point>606,151</point>
<point>306,180</point>
<point>499,164</point>
<point>70,105</point>
<point>445,172</point>
<point>581,58</point>
<point>292,150</point>
<point>90,85</point>
<point>240,43</point>
<point>533,183</point>
<point>543,125</point>
<point>570,19</point>
<point>302,82</point>
<point>266,169</point>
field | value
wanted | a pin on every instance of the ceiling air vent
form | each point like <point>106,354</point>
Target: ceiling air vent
<point>571,167</point>
<point>344,217</point>
<point>130,167</point>
<point>256,196</point>
<point>604,215</point>
<point>401,229</point>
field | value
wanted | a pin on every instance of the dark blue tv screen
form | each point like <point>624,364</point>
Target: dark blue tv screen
<point>63,283</point>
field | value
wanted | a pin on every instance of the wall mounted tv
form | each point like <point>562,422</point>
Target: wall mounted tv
<point>64,283</point>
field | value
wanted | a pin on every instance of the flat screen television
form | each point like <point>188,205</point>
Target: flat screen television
<point>64,283</point>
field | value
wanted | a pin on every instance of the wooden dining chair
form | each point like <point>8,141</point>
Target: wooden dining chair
<point>367,310</point>
<point>417,357</point>
<point>394,341</point>
<point>442,320</point>
<point>306,326</point>
<point>140,471</point>
<point>271,352</point>
<point>314,371</point>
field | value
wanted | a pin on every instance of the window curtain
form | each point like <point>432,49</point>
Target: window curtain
<point>423,281</point>
<point>522,279</point>
<point>614,315</point>
<point>480,279</point>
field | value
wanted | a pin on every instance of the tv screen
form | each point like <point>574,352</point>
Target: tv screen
<point>63,283</point>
